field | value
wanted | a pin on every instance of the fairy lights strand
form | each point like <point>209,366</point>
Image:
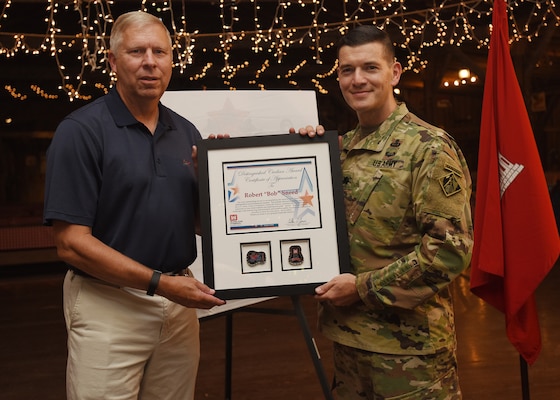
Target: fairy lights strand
<point>258,37</point>
<point>4,14</point>
<point>262,68</point>
<point>202,74</point>
<point>37,89</point>
<point>14,93</point>
<point>184,42</point>
<point>451,22</point>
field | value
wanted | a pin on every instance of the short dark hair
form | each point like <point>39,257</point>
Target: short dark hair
<point>364,34</point>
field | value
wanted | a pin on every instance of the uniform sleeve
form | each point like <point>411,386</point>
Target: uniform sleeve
<point>73,175</point>
<point>441,189</point>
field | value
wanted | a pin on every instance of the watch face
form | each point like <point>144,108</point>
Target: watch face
<point>295,257</point>
<point>256,257</point>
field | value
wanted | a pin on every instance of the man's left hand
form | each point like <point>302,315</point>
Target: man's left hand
<point>340,291</point>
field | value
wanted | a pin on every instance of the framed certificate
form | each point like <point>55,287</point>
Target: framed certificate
<point>272,214</point>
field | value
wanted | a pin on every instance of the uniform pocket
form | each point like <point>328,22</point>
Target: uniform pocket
<point>381,208</point>
<point>446,388</point>
<point>356,197</point>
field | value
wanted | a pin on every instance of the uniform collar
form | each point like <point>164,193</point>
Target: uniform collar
<point>376,140</point>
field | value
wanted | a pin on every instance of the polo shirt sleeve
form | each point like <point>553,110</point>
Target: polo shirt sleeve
<point>73,174</point>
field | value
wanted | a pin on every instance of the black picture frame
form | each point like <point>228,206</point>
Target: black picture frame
<point>272,214</point>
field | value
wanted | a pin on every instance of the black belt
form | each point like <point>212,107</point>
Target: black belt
<point>80,272</point>
<point>179,272</point>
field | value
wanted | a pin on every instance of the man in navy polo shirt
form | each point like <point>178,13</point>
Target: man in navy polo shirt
<point>121,195</point>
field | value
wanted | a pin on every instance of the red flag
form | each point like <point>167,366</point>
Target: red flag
<point>516,238</point>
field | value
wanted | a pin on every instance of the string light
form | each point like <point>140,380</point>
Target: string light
<point>5,9</point>
<point>294,70</point>
<point>14,93</point>
<point>272,36</point>
<point>42,93</point>
<point>202,74</point>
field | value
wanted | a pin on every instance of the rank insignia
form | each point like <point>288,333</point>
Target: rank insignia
<point>390,153</point>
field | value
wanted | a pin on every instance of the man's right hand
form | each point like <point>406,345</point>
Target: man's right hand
<point>188,292</point>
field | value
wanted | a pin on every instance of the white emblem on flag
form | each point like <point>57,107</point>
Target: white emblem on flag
<point>508,172</point>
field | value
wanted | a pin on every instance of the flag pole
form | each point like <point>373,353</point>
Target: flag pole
<point>524,379</point>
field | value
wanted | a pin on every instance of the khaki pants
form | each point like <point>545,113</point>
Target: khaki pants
<point>123,344</point>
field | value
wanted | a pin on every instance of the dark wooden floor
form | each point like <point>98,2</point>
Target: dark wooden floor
<point>270,357</point>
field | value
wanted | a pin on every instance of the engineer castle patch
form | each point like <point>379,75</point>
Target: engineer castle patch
<point>450,182</point>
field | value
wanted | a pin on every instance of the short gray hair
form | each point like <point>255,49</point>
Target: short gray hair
<point>124,21</point>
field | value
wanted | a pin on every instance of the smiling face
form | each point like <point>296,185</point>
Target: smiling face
<point>142,61</point>
<point>367,75</point>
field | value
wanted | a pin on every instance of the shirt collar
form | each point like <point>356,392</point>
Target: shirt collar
<point>123,117</point>
<point>376,140</point>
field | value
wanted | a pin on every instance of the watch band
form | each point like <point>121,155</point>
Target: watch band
<point>154,282</point>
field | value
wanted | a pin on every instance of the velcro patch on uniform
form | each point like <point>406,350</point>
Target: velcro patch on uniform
<point>450,182</point>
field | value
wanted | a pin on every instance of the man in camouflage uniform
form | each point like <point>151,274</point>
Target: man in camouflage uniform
<point>407,189</point>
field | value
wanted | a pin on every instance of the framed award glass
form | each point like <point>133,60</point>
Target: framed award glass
<point>272,214</point>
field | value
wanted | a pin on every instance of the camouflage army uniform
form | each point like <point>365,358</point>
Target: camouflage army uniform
<point>407,189</point>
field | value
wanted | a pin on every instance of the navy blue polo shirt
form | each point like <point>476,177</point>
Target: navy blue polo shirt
<point>137,191</point>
